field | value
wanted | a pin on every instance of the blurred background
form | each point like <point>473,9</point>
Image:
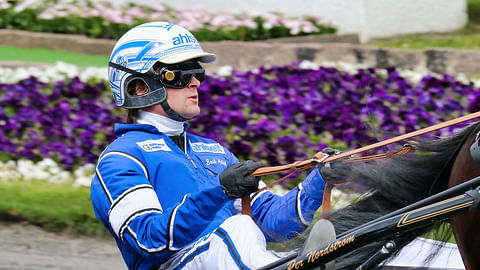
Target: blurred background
<point>290,79</point>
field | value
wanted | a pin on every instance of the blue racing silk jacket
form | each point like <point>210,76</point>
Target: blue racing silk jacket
<point>156,198</point>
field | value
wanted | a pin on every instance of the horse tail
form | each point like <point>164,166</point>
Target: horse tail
<point>395,183</point>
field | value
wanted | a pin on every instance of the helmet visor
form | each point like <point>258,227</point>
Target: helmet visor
<point>180,75</point>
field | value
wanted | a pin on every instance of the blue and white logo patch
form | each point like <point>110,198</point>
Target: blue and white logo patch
<point>215,148</point>
<point>154,145</point>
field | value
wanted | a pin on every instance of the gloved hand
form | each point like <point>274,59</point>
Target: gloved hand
<point>237,181</point>
<point>331,151</point>
<point>335,172</point>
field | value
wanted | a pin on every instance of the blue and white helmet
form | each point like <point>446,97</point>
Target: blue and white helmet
<point>139,49</point>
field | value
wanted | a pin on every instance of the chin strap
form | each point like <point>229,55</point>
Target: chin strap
<point>171,113</point>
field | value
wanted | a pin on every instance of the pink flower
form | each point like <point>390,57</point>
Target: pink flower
<point>159,8</point>
<point>308,27</point>
<point>136,12</point>
<point>4,5</point>
<point>26,4</point>
<point>159,16</point>
<point>46,15</point>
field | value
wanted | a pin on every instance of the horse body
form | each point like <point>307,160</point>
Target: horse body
<point>397,182</point>
<point>465,227</point>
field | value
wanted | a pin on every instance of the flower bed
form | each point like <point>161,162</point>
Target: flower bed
<point>283,114</point>
<point>68,121</point>
<point>103,19</point>
<point>278,115</point>
<point>45,170</point>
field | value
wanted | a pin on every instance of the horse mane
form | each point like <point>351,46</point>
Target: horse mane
<point>395,183</point>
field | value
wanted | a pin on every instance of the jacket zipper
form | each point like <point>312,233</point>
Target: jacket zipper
<point>188,156</point>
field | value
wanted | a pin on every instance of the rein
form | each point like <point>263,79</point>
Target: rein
<point>324,158</point>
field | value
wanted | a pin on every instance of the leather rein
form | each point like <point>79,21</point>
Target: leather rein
<point>321,157</point>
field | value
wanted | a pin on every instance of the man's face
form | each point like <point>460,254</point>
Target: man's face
<point>185,100</point>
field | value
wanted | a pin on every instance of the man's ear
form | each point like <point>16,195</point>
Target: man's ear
<point>140,88</point>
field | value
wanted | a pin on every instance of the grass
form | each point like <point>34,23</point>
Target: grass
<point>467,38</point>
<point>63,208</point>
<point>56,207</point>
<point>444,229</point>
<point>41,55</point>
<point>466,42</point>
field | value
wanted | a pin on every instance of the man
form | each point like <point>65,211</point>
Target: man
<point>172,199</point>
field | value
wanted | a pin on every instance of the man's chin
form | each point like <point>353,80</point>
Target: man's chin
<point>191,115</point>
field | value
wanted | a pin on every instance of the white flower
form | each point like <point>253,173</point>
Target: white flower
<point>10,175</point>
<point>45,170</point>
<point>47,163</point>
<point>8,171</point>
<point>305,64</point>
<point>341,199</point>
<point>25,167</point>
<point>94,73</point>
<point>53,73</point>
<point>85,170</point>
<point>464,79</point>
<point>61,71</point>
<point>278,189</point>
<point>61,177</point>
<point>224,71</point>
<point>82,181</point>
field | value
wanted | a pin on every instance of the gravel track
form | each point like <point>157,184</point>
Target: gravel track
<point>27,247</point>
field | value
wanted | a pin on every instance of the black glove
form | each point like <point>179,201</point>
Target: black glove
<point>331,151</point>
<point>237,181</point>
<point>335,172</point>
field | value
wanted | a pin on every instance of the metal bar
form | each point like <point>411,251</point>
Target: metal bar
<point>385,252</point>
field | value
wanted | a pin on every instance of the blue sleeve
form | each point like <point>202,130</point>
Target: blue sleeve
<point>284,217</point>
<point>127,204</point>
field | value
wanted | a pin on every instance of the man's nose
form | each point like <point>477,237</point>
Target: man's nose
<point>194,82</point>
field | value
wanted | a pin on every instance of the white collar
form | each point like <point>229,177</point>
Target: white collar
<point>164,124</point>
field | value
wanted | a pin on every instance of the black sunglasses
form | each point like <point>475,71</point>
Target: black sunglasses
<point>180,75</point>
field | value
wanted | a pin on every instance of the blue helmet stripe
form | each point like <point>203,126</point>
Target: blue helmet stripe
<point>167,26</point>
<point>145,50</point>
<point>127,45</point>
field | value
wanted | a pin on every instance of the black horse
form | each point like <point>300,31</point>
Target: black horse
<point>400,181</point>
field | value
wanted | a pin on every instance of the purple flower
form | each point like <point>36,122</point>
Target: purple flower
<point>277,115</point>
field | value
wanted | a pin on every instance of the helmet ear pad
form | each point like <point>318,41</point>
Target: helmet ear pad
<point>156,94</point>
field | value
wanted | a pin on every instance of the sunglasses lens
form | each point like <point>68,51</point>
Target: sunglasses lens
<point>182,77</point>
<point>200,76</point>
<point>185,79</point>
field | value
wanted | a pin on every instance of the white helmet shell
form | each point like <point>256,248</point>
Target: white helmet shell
<point>142,46</point>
